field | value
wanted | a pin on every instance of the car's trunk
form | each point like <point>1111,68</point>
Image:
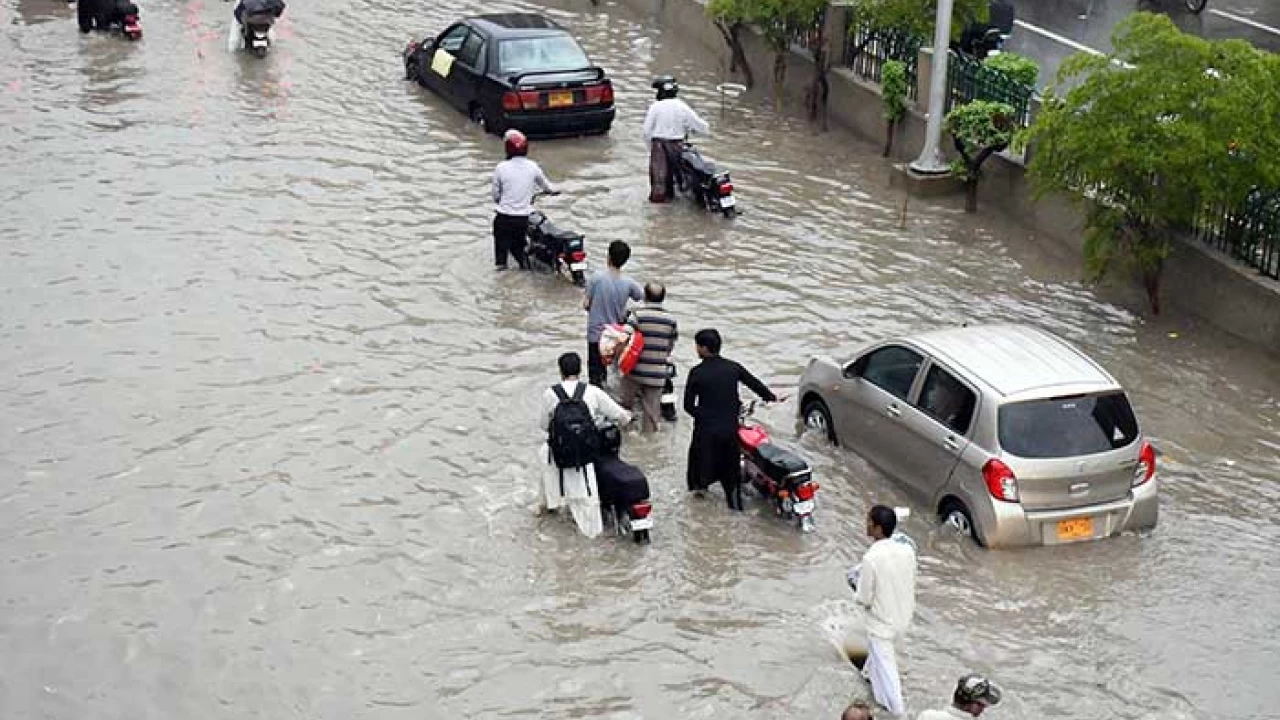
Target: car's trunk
<point>1070,451</point>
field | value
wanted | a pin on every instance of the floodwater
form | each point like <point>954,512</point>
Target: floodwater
<point>269,413</point>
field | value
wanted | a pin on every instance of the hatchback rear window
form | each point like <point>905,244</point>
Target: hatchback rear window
<point>557,52</point>
<point>1067,426</point>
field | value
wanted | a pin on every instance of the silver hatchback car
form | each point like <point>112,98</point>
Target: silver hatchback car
<point>1013,435</point>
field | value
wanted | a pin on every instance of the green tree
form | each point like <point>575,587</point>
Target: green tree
<point>915,17</point>
<point>731,18</point>
<point>1145,138</point>
<point>980,129</point>
<point>1021,69</point>
<point>893,91</point>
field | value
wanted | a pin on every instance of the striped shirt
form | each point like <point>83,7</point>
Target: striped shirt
<point>659,331</point>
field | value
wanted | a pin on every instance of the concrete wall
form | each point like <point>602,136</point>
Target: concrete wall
<point>1198,281</point>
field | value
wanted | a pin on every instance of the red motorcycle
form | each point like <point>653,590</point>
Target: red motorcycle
<point>776,473</point>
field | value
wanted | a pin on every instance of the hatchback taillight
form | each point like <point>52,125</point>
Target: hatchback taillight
<point>1146,468</point>
<point>1000,480</point>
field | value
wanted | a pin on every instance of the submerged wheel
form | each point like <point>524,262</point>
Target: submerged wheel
<point>807,524</point>
<point>818,417</point>
<point>1196,6</point>
<point>641,537</point>
<point>411,69</point>
<point>579,278</point>
<point>955,514</point>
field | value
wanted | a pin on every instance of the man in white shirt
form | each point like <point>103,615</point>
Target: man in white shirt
<point>973,695</point>
<point>515,181</point>
<point>885,586</point>
<point>667,123</point>
<point>576,487</point>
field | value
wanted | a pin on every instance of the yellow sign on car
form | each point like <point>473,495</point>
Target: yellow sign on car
<point>441,63</point>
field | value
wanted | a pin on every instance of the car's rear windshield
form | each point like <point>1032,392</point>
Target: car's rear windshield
<point>556,52</point>
<point>1067,426</point>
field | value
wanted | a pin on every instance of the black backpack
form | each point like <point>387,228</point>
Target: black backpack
<point>574,440</point>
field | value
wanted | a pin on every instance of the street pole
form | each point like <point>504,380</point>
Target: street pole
<point>931,161</point>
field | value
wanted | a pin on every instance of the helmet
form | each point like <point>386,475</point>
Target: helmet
<point>516,143</point>
<point>976,689</point>
<point>666,86</point>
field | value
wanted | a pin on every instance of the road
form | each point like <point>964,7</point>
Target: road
<point>1052,31</point>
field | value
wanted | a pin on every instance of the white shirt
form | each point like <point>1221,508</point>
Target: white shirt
<point>672,119</point>
<point>602,406</point>
<point>887,587</point>
<point>514,183</point>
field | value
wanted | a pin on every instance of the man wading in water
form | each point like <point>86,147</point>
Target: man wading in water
<point>667,123</point>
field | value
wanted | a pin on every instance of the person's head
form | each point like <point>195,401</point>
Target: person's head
<point>974,694</point>
<point>570,365</point>
<point>654,292</point>
<point>619,254</point>
<point>666,86</point>
<point>858,710</point>
<point>708,342</point>
<point>881,522</point>
<point>516,143</point>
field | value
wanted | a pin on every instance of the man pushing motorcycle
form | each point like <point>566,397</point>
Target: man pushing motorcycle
<point>666,125</point>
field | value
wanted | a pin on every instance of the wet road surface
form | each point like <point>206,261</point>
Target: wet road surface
<point>1050,32</point>
<point>270,413</point>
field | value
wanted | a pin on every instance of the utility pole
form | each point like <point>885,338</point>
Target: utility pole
<point>931,161</point>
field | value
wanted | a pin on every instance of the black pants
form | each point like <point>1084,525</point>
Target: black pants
<point>597,371</point>
<point>713,457</point>
<point>509,237</point>
<point>88,12</point>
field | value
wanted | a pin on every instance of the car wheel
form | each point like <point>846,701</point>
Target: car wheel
<point>956,515</point>
<point>818,417</point>
<point>411,69</point>
<point>481,118</point>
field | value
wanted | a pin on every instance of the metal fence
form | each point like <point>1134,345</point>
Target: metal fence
<point>879,46</point>
<point>969,79</point>
<point>1250,234</point>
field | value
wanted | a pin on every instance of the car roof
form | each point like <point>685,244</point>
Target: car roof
<point>515,25</point>
<point>1016,359</point>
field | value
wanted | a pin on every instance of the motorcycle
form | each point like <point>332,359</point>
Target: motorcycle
<point>982,39</point>
<point>121,14</point>
<point>624,490</point>
<point>707,185</point>
<point>256,31</point>
<point>776,473</point>
<point>556,249</point>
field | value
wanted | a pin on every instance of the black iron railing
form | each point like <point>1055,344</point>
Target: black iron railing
<point>1249,233</point>
<point>869,48</point>
<point>969,79</point>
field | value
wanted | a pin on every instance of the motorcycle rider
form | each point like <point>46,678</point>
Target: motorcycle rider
<point>274,8</point>
<point>711,397</point>
<point>91,12</point>
<point>515,181</point>
<point>973,695</point>
<point>666,125</point>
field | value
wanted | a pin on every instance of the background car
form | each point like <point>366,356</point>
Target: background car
<point>516,70</point>
<point>1011,434</point>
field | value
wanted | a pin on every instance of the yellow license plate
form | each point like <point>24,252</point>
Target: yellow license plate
<point>1075,529</point>
<point>560,99</point>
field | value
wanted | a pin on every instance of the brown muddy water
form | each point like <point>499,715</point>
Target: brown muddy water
<point>269,414</point>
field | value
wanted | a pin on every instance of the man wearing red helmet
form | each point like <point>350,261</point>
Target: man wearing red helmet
<point>515,181</point>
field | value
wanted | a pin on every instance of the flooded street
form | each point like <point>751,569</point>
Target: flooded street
<point>270,414</point>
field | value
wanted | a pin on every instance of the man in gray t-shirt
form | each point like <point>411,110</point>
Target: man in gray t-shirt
<point>606,304</point>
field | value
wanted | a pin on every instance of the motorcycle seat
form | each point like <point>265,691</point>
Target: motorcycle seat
<point>260,20</point>
<point>780,463</point>
<point>619,482</point>
<point>549,229</point>
<point>695,161</point>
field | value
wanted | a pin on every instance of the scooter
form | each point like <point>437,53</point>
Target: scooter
<point>556,249</point>
<point>776,473</point>
<point>256,30</point>
<point>707,185</point>
<point>624,490</point>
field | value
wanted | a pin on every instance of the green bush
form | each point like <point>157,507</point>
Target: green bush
<point>893,88</point>
<point>1021,69</point>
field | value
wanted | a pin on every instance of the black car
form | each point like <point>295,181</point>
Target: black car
<point>515,70</point>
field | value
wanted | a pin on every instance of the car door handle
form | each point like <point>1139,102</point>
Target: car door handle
<point>951,443</point>
<point>892,411</point>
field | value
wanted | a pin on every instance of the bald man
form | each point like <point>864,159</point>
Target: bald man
<point>859,710</point>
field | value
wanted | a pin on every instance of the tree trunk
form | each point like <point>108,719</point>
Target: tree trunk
<point>779,75</point>
<point>732,34</point>
<point>1151,282</point>
<point>890,128</point>
<point>971,195</point>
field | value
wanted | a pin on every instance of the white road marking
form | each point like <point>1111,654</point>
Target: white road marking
<point>1055,36</point>
<point>1245,21</point>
